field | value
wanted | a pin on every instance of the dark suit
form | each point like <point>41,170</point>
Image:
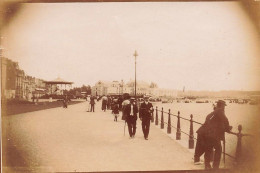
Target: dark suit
<point>213,129</point>
<point>131,111</point>
<point>145,116</point>
<point>65,102</point>
<point>92,103</point>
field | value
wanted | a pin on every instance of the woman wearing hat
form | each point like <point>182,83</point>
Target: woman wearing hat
<point>115,110</point>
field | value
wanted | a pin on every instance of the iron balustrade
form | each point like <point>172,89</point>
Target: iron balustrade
<point>239,135</point>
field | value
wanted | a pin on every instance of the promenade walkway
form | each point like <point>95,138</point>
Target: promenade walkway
<point>68,140</point>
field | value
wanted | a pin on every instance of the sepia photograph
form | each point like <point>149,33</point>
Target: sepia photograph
<point>120,86</point>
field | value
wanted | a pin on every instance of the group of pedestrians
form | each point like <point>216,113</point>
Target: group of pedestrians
<point>210,135</point>
<point>130,112</point>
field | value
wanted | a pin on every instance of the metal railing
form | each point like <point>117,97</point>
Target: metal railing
<point>239,135</point>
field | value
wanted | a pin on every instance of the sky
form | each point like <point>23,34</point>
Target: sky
<point>199,45</point>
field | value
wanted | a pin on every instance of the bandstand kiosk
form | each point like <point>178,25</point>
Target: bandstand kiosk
<point>57,86</point>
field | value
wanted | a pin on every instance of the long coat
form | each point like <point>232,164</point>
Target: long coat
<point>92,101</point>
<point>145,111</point>
<point>216,124</point>
<point>127,111</point>
<point>115,109</point>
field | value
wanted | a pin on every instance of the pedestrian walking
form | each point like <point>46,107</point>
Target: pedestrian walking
<point>104,103</point>
<point>120,100</point>
<point>146,108</point>
<point>115,111</point>
<point>65,101</point>
<point>131,111</point>
<point>88,105</point>
<point>92,103</point>
<point>109,100</point>
<point>124,104</point>
<point>214,128</point>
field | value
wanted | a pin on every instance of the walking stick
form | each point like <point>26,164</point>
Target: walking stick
<point>124,128</point>
<point>224,151</point>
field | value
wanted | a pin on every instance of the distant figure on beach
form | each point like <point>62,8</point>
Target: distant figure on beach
<point>92,103</point>
<point>131,111</point>
<point>214,128</point>
<point>146,109</point>
<point>115,111</point>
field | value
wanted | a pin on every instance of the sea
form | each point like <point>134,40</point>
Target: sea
<point>238,114</point>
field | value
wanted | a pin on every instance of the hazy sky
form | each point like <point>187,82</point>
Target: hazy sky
<point>202,45</point>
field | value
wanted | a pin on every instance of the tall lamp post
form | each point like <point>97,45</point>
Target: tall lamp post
<point>135,55</point>
<point>122,85</point>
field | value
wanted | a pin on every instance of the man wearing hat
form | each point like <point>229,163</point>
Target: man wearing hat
<point>214,128</point>
<point>131,111</point>
<point>146,108</point>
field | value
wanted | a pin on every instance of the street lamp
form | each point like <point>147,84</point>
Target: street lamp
<point>122,84</point>
<point>135,55</point>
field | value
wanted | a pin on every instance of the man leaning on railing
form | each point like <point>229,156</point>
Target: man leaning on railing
<point>214,128</point>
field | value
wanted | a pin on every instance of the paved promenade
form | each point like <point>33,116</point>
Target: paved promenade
<point>72,139</point>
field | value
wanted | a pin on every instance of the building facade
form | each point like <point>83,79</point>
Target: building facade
<point>15,83</point>
<point>119,88</point>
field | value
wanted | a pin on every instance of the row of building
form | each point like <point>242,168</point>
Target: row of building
<point>142,88</point>
<point>16,84</point>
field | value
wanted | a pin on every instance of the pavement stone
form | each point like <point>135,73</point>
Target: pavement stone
<point>68,140</point>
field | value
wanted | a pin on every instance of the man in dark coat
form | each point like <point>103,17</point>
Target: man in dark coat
<point>146,108</point>
<point>200,145</point>
<point>131,111</point>
<point>92,103</point>
<point>109,103</point>
<point>65,101</point>
<point>214,129</point>
<point>120,100</point>
<point>104,103</point>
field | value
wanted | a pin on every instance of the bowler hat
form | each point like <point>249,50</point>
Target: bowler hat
<point>221,102</point>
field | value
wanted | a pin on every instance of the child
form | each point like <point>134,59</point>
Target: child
<point>115,111</point>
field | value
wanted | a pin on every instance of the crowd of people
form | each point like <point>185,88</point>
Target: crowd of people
<point>129,109</point>
<point>209,135</point>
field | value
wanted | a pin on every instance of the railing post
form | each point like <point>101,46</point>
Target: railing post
<point>178,133</point>
<point>156,116</point>
<point>239,145</point>
<point>191,138</point>
<point>162,120</point>
<point>169,128</point>
<point>152,119</point>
